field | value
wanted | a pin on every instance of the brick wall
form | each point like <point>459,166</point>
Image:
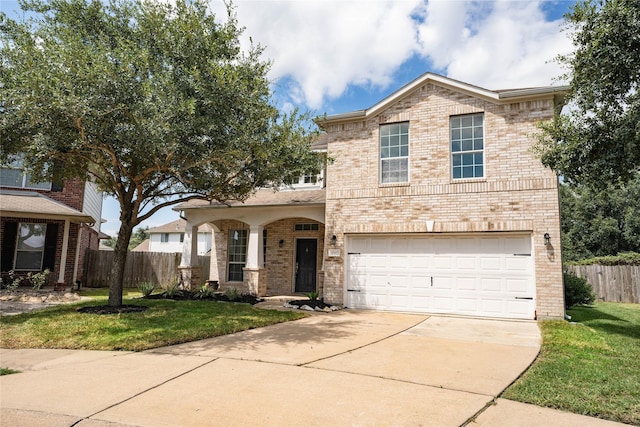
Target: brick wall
<point>280,260</point>
<point>517,193</point>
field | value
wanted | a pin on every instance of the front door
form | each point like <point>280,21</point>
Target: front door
<point>305,268</point>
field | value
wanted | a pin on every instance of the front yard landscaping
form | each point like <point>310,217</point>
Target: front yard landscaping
<point>588,366</point>
<point>165,322</point>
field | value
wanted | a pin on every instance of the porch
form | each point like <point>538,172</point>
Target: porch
<point>271,244</point>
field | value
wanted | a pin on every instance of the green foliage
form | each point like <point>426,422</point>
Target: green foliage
<point>171,289</point>
<point>623,258</point>
<point>7,371</point>
<point>205,291</point>
<point>588,366</point>
<point>600,222</point>
<point>164,323</point>
<point>577,291</point>
<point>232,294</point>
<point>146,288</point>
<point>38,279</point>
<point>11,281</point>
<point>153,101</point>
<point>598,141</point>
<point>313,296</point>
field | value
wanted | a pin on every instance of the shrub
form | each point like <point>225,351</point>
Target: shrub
<point>205,291</point>
<point>146,288</point>
<point>171,289</point>
<point>232,294</point>
<point>313,296</point>
<point>577,291</point>
<point>38,279</point>
<point>11,281</point>
<point>623,258</point>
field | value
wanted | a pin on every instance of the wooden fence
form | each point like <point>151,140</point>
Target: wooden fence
<point>613,283</point>
<point>155,267</point>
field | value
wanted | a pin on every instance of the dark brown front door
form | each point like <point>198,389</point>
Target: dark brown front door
<point>306,251</point>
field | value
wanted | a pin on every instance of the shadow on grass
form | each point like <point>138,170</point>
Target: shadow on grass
<point>599,319</point>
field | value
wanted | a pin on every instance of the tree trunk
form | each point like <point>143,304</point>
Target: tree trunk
<point>119,260</point>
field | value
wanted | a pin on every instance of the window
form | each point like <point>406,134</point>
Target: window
<point>12,176</point>
<point>264,246</point>
<point>394,153</point>
<point>30,246</point>
<point>237,255</point>
<point>467,146</point>
<point>164,238</point>
<point>306,227</point>
<point>181,237</point>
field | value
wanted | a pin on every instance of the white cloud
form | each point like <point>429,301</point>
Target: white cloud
<point>508,45</point>
<point>322,47</point>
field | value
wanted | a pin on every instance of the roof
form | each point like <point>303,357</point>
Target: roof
<point>29,204</point>
<point>499,96</point>
<point>320,142</point>
<point>177,226</point>
<point>264,197</point>
<point>142,247</point>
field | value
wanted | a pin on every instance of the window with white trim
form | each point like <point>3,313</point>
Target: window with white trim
<point>12,175</point>
<point>237,255</point>
<point>164,238</point>
<point>467,146</point>
<point>394,153</point>
<point>30,246</point>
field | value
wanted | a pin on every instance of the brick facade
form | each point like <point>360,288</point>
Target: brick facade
<point>517,192</point>
<point>72,195</point>
<point>279,261</point>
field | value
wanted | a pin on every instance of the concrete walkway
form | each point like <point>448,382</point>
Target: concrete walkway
<point>342,369</point>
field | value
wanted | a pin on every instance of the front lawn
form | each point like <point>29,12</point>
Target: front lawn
<point>165,322</point>
<point>588,366</point>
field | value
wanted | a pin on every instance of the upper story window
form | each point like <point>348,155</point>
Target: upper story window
<point>394,153</point>
<point>307,180</point>
<point>467,146</point>
<point>12,175</point>
<point>164,238</point>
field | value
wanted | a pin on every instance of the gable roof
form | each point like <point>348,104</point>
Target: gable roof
<point>30,204</point>
<point>177,226</point>
<point>497,96</point>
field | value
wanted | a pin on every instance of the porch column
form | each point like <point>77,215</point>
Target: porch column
<point>189,270</point>
<point>63,255</point>
<point>214,275</point>
<point>254,278</point>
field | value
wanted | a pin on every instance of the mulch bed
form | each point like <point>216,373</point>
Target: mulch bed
<point>218,296</point>
<point>182,296</point>
<point>107,309</point>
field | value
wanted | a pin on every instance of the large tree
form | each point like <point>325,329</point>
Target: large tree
<point>154,101</point>
<point>598,141</point>
<point>599,222</point>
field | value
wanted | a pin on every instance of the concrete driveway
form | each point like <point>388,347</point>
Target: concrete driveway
<point>349,368</point>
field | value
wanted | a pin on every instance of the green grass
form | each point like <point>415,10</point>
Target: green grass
<point>166,322</point>
<point>590,366</point>
<point>7,371</point>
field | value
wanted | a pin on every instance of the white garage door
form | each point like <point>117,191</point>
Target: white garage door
<point>489,275</point>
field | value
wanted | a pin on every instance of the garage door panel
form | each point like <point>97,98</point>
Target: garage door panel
<point>486,275</point>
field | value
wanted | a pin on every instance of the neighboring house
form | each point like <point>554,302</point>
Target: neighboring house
<point>47,226</point>
<point>433,201</point>
<point>170,237</point>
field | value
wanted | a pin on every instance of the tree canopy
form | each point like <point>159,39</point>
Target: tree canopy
<point>600,222</point>
<point>154,101</point>
<point>598,141</point>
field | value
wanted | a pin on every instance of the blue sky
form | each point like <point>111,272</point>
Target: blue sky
<point>335,56</point>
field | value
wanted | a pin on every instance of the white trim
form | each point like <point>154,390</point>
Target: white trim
<point>63,255</point>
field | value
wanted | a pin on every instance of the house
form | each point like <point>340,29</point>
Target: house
<point>433,201</point>
<point>47,225</point>
<point>170,237</point>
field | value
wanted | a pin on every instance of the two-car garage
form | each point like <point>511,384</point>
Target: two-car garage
<point>489,275</point>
